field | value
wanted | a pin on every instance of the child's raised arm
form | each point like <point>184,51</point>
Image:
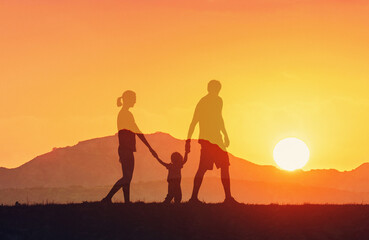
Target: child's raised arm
<point>162,163</point>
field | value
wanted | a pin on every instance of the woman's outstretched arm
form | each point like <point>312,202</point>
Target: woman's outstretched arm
<point>143,139</point>
<point>162,163</point>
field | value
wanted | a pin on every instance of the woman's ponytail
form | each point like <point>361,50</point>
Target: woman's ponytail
<point>119,102</point>
<point>129,97</point>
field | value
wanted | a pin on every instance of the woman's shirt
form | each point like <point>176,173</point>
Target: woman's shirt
<point>127,130</point>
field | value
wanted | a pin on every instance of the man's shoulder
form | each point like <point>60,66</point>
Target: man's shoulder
<point>201,102</point>
<point>203,99</point>
<point>210,100</point>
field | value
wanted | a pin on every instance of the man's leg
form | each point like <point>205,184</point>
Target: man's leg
<point>224,172</point>
<point>197,182</point>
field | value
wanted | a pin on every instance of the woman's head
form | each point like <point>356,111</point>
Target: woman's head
<point>128,97</point>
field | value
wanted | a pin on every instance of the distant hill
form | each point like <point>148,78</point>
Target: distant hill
<point>93,164</point>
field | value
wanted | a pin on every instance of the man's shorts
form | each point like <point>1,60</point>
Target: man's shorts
<point>212,154</point>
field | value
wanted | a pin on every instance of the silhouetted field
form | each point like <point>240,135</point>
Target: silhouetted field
<point>184,221</point>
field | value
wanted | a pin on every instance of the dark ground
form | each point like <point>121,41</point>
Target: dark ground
<point>184,221</point>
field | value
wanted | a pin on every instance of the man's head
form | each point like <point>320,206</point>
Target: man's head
<point>214,87</point>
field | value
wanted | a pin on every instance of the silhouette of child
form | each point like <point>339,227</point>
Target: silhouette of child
<point>174,176</point>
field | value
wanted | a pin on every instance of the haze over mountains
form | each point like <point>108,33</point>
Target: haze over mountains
<point>85,172</point>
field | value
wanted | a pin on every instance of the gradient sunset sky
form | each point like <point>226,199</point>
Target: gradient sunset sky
<point>289,69</point>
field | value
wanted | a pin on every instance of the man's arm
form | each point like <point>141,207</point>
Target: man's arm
<point>222,127</point>
<point>195,120</point>
<point>225,134</point>
<point>185,157</point>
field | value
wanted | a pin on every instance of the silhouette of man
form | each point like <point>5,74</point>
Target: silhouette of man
<point>127,131</point>
<point>208,114</point>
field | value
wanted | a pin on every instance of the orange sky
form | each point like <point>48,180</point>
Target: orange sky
<point>288,68</point>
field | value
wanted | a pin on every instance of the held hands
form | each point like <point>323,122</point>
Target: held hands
<point>157,158</point>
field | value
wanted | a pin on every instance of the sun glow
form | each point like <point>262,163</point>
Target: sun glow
<point>291,154</point>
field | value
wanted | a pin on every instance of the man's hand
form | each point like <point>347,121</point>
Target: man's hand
<point>226,141</point>
<point>188,145</point>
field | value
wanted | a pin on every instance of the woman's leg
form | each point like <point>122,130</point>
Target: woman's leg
<point>118,185</point>
<point>128,165</point>
<point>127,161</point>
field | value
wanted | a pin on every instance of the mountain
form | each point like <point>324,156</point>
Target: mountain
<point>93,164</point>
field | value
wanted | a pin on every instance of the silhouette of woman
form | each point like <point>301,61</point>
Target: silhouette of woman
<point>127,130</point>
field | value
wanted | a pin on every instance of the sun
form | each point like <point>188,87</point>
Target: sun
<point>291,154</point>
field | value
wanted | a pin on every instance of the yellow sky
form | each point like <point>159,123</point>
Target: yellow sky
<point>288,70</point>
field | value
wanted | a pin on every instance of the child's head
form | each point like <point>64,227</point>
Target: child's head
<point>176,158</point>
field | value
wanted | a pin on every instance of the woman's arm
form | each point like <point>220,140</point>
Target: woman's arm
<point>143,139</point>
<point>162,163</point>
<point>139,134</point>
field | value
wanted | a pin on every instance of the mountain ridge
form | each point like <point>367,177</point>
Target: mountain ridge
<point>94,162</point>
<point>362,165</point>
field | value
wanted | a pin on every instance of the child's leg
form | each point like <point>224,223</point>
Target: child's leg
<point>170,194</point>
<point>177,192</point>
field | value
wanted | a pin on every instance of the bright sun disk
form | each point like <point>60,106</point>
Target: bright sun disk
<point>291,154</point>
